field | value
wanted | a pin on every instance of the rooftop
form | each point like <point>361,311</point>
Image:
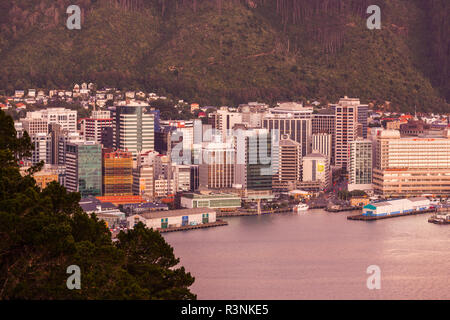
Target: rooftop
<point>175,213</point>
<point>209,196</point>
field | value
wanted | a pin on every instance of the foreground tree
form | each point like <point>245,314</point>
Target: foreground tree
<point>42,232</point>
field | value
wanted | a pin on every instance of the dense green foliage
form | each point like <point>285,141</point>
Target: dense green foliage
<point>42,232</point>
<point>234,51</point>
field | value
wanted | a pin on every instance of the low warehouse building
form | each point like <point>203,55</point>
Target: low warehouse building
<point>173,218</point>
<point>392,207</point>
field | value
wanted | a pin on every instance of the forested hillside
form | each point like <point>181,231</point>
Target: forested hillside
<point>233,51</point>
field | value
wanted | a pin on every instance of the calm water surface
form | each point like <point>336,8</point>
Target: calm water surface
<point>316,255</point>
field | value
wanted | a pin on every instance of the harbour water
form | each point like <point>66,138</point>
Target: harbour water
<point>316,255</point>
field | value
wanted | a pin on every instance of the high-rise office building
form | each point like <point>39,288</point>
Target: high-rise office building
<point>346,128</point>
<point>42,148</point>
<point>182,177</point>
<point>35,125</point>
<point>216,170</point>
<point>363,115</point>
<point>292,119</point>
<point>65,117</point>
<point>133,128</point>
<point>360,165</point>
<point>253,169</point>
<point>323,143</point>
<point>253,114</point>
<point>117,173</point>
<point>316,168</point>
<point>225,121</point>
<point>143,181</point>
<point>324,121</point>
<point>92,127</point>
<point>84,168</point>
<point>412,166</point>
<point>289,164</point>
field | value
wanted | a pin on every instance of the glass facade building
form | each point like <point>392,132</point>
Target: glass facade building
<point>84,168</point>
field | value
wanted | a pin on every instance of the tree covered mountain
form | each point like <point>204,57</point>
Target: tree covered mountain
<point>233,51</point>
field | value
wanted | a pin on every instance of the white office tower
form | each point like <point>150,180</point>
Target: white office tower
<point>65,117</point>
<point>34,125</point>
<point>133,128</point>
<point>360,165</point>
<point>294,120</point>
<point>346,112</point>
<point>42,148</point>
<point>289,163</point>
<point>316,168</point>
<point>323,143</point>
<point>225,121</point>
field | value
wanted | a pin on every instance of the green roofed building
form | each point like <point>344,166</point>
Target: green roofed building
<point>213,201</point>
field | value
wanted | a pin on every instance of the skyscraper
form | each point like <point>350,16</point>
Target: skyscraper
<point>363,114</point>
<point>133,128</point>
<point>117,175</point>
<point>65,117</point>
<point>92,127</point>
<point>322,143</point>
<point>360,165</point>
<point>289,163</point>
<point>346,128</point>
<point>84,168</point>
<point>216,170</point>
<point>253,166</point>
<point>294,120</point>
<point>42,148</point>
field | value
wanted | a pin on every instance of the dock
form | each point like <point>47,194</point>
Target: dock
<point>218,223</point>
<point>371,218</point>
<point>236,214</point>
<point>252,213</point>
<point>342,209</point>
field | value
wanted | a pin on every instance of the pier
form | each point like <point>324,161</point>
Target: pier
<point>341,209</point>
<point>371,218</point>
<point>218,223</point>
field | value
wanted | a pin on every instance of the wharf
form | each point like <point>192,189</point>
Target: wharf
<point>236,214</point>
<point>371,218</point>
<point>218,223</point>
<point>341,209</point>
